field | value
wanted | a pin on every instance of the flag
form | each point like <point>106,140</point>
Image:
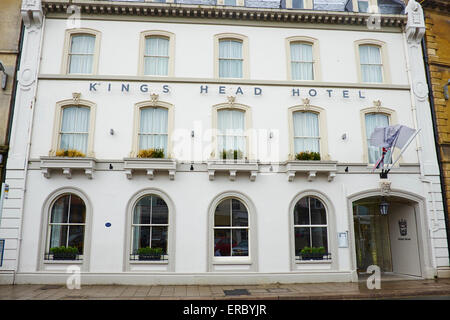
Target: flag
<point>392,136</point>
<point>388,138</point>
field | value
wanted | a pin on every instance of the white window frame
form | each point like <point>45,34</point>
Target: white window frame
<point>248,263</point>
<point>137,121</point>
<point>317,73</point>
<point>323,130</point>
<point>150,266</point>
<point>245,53</point>
<point>56,138</point>
<point>248,152</point>
<point>331,231</point>
<point>157,33</point>
<point>231,228</point>
<point>68,224</point>
<point>65,67</point>
<point>149,224</point>
<point>392,118</point>
<point>385,68</point>
<point>61,265</point>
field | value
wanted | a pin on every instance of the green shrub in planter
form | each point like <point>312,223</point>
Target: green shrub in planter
<point>64,253</point>
<point>306,155</point>
<point>312,253</point>
<point>148,253</point>
<point>231,154</point>
<point>151,153</point>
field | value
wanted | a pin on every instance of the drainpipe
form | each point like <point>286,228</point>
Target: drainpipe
<point>436,141</point>
<point>13,98</point>
<point>27,156</point>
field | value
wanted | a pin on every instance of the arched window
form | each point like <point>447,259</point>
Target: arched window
<point>310,228</point>
<point>153,129</point>
<point>156,56</point>
<point>231,137</point>
<point>81,54</point>
<point>231,229</point>
<point>306,132</point>
<point>157,53</point>
<point>231,56</point>
<point>371,63</point>
<point>150,224</point>
<point>372,121</point>
<point>74,132</point>
<point>66,228</point>
<point>302,63</point>
<point>81,51</point>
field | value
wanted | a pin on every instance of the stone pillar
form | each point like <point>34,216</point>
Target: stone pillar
<point>415,30</point>
<point>32,16</point>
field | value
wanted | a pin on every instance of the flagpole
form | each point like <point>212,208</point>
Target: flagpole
<point>404,148</point>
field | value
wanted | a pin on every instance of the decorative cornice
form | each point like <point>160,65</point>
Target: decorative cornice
<point>220,12</point>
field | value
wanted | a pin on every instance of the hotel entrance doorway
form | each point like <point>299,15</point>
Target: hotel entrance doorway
<point>388,241</point>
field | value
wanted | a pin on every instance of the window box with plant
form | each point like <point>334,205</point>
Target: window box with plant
<point>231,155</point>
<point>149,254</point>
<point>151,153</point>
<point>232,161</point>
<point>64,253</point>
<point>311,163</point>
<point>150,160</point>
<point>67,160</point>
<point>313,253</point>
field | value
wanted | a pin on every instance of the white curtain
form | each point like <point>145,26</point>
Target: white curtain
<point>75,128</point>
<point>306,132</point>
<point>81,54</point>
<point>371,67</point>
<point>374,120</point>
<point>302,61</point>
<point>231,126</point>
<point>156,56</point>
<point>153,129</point>
<point>230,59</point>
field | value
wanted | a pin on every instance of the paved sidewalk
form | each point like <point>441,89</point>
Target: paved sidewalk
<point>389,289</point>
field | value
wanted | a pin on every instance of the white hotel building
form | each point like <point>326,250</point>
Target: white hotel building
<point>195,79</point>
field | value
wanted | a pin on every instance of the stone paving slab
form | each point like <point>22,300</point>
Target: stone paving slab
<point>304,291</point>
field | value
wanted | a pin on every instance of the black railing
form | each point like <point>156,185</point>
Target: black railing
<point>63,256</point>
<point>313,256</point>
<point>149,257</point>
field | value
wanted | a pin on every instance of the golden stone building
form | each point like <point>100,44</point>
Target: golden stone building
<point>437,45</point>
<point>10,29</point>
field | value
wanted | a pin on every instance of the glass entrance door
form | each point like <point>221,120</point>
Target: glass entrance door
<point>371,236</point>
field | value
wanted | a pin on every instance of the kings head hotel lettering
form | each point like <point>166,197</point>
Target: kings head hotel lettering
<point>108,87</point>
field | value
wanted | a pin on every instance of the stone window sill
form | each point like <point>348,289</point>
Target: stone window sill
<point>67,165</point>
<point>233,167</point>
<point>311,168</point>
<point>150,166</point>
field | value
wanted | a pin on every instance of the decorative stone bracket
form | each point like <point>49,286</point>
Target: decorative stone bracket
<point>233,167</point>
<point>67,165</point>
<point>385,186</point>
<point>150,166</point>
<point>311,168</point>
